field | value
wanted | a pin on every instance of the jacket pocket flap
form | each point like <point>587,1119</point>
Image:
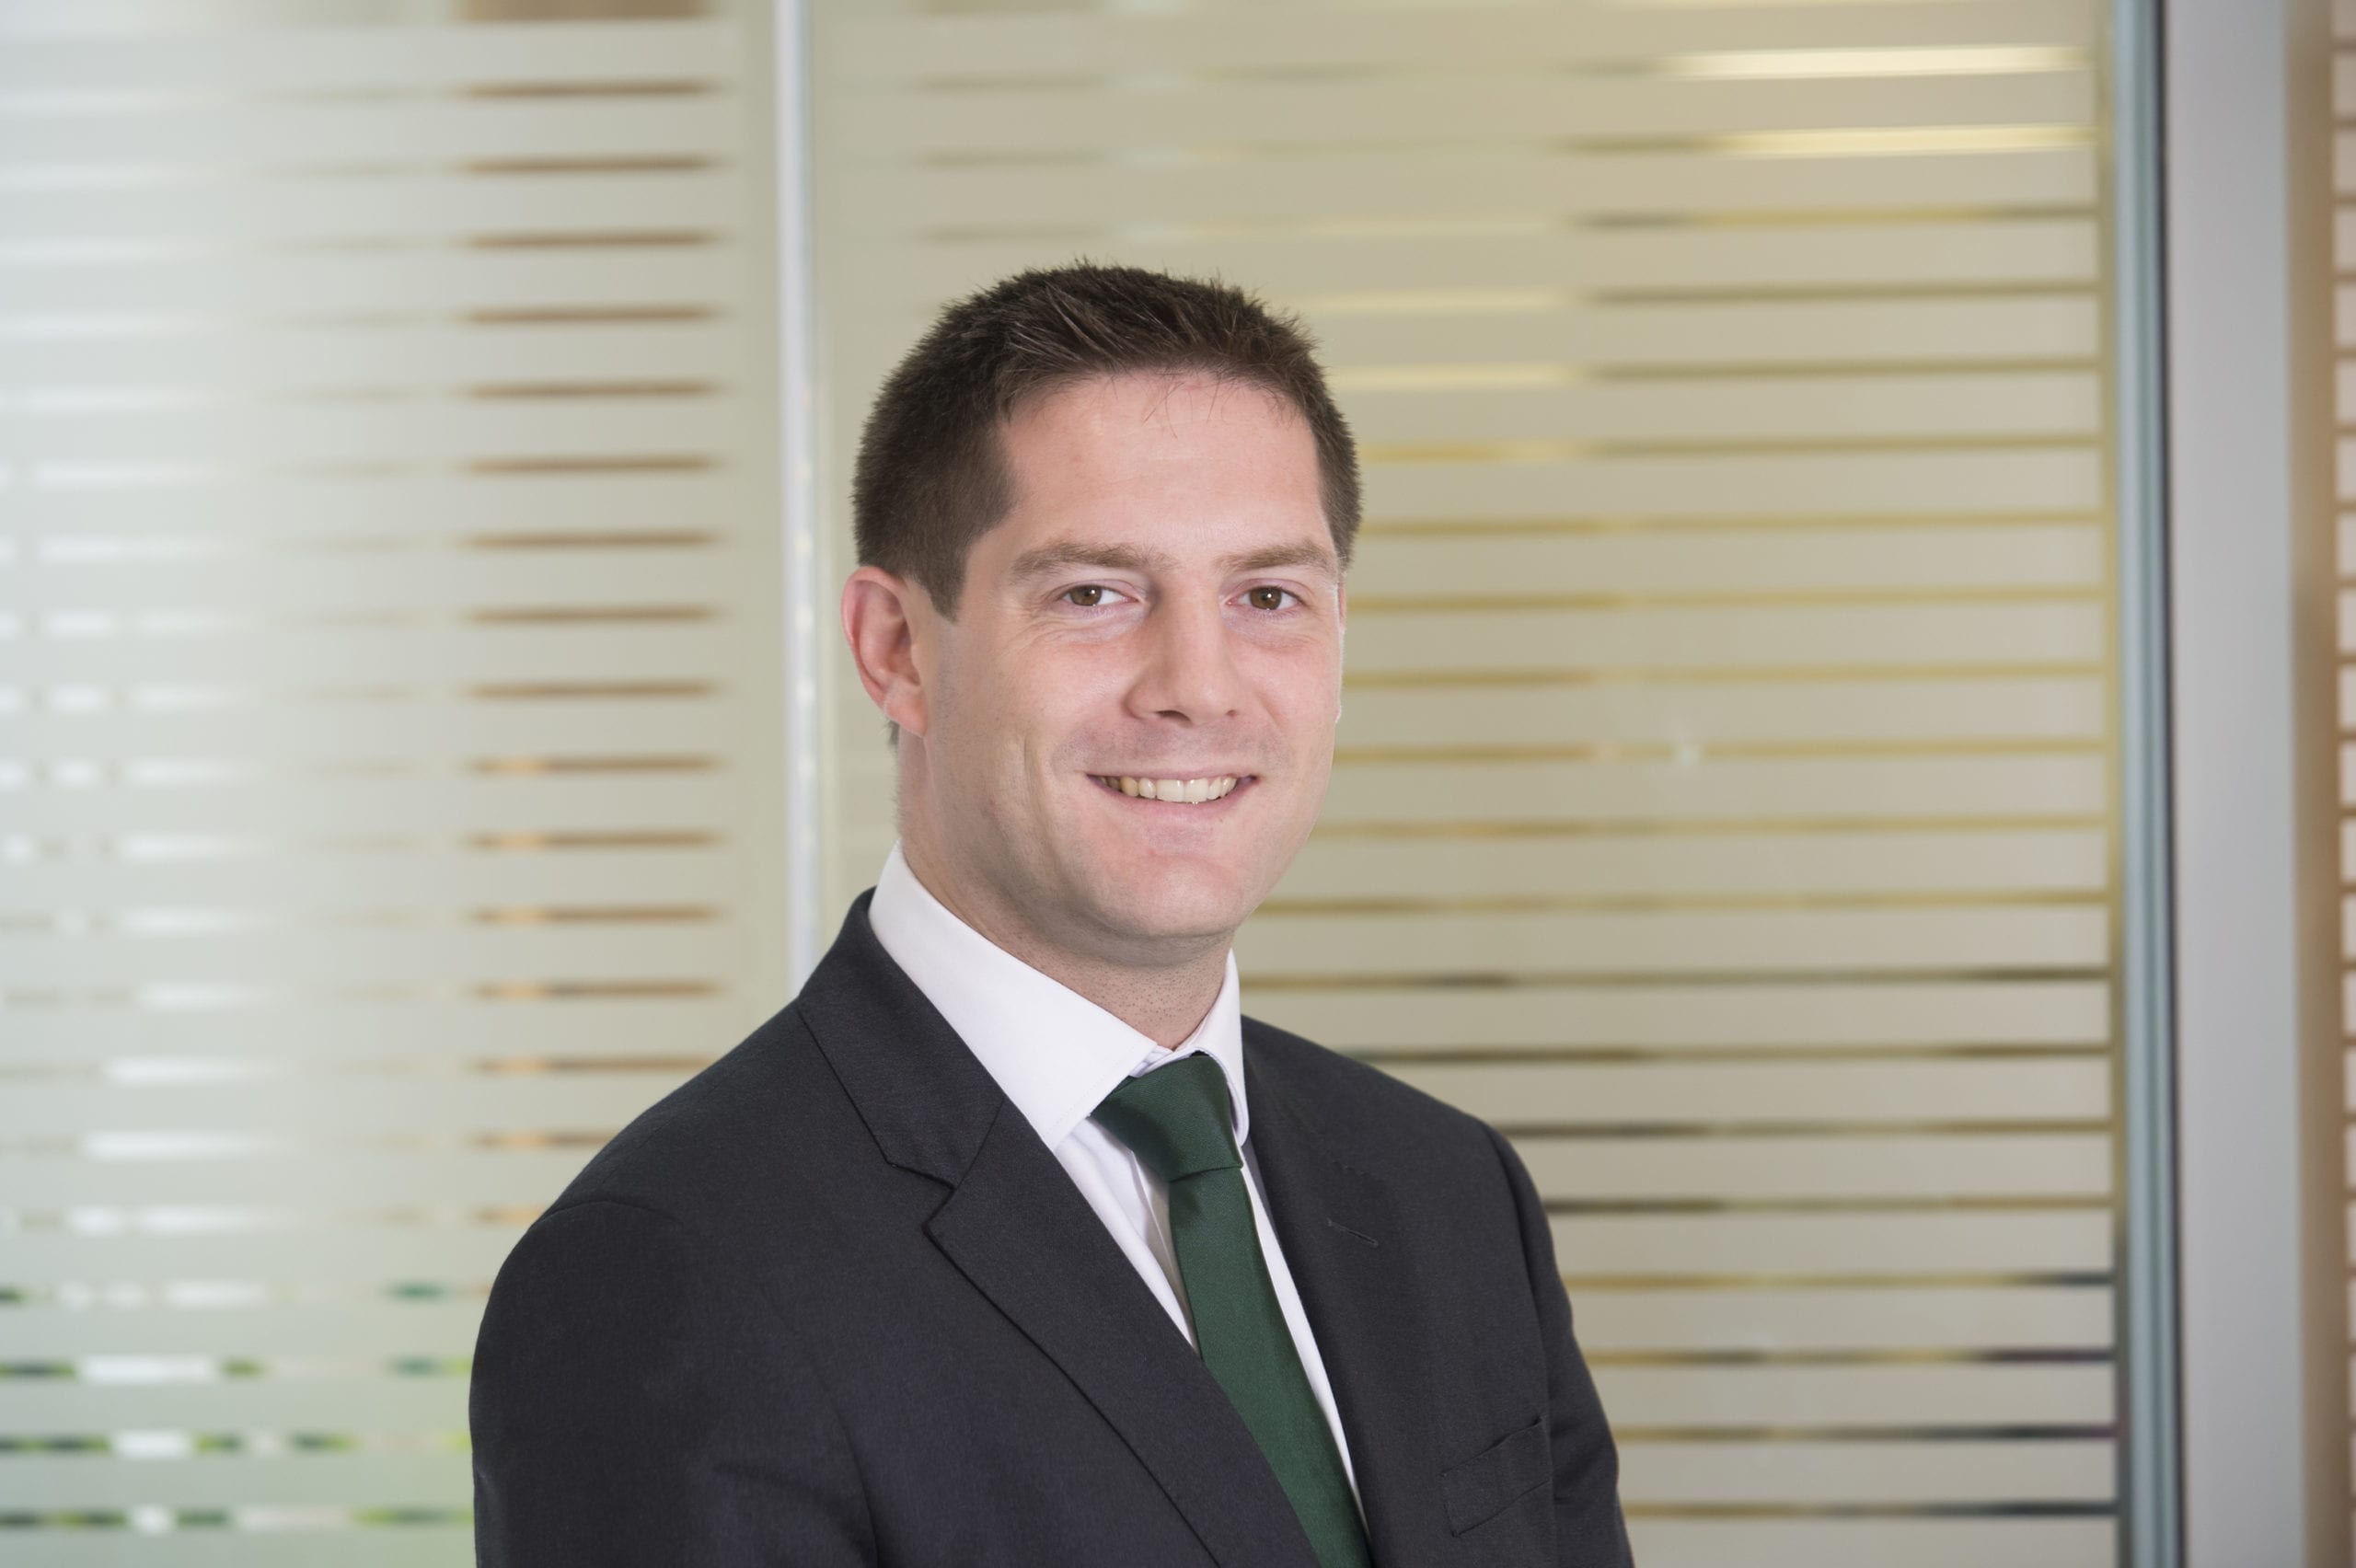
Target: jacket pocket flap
<point>1478,1488</point>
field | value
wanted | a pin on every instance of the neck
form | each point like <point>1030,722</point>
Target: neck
<point>1164,1002</point>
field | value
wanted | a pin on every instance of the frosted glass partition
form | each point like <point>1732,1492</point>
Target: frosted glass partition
<point>390,727</point>
<point>1727,795</point>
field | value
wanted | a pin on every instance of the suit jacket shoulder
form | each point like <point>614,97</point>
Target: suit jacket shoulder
<point>1432,1158</point>
<point>715,1146</point>
<point>1344,1097</point>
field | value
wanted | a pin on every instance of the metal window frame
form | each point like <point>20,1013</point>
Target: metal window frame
<point>2248,1471</point>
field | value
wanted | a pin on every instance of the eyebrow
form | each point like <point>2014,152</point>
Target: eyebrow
<point>1043,559</point>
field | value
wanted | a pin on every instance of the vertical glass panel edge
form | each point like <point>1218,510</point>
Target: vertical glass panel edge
<point>2150,1520</point>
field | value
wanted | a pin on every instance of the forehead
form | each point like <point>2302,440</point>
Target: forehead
<point>1154,451</point>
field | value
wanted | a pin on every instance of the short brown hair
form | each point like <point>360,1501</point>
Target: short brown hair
<point>932,476</point>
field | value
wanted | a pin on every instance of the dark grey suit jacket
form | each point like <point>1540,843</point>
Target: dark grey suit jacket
<point>833,1302</point>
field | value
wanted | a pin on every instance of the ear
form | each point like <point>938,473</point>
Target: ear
<point>884,619</point>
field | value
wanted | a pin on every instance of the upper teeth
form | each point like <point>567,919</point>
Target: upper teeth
<point>1192,790</point>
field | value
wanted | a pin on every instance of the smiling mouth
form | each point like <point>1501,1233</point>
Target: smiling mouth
<point>1175,791</point>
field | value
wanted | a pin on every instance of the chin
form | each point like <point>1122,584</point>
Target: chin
<point>1182,906</point>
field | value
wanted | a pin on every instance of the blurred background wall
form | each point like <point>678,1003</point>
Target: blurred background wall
<point>423,740</point>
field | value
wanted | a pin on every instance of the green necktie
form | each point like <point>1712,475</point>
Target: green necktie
<point>1176,1120</point>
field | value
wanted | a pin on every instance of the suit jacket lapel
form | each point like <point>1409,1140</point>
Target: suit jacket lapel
<point>1018,1228</point>
<point>1015,1226</point>
<point>1345,1247</point>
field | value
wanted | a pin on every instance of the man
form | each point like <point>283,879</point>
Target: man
<point>1010,1241</point>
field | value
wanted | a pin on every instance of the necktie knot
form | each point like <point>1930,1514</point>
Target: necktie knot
<point>1176,1119</point>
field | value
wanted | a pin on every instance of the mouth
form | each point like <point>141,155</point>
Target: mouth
<point>1180,793</point>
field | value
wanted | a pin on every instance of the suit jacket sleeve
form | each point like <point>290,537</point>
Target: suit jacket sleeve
<point>631,1390</point>
<point>1589,1531</point>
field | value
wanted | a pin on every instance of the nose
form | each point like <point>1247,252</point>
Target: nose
<point>1189,672</point>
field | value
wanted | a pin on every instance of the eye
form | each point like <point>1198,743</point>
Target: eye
<point>1269,598</point>
<point>1087,595</point>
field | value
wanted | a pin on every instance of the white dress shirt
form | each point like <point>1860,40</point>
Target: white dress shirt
<point>1057,1055</point>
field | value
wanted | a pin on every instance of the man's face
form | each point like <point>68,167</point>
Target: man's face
<point>1161,603</point>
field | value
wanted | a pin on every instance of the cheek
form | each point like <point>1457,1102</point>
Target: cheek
<point>1302,690</point>
<point>1062,690</point>
<point>1037,708</point>
<point>986,680</point>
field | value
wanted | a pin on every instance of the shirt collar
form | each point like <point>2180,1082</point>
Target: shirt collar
<point>1055,1052</point>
